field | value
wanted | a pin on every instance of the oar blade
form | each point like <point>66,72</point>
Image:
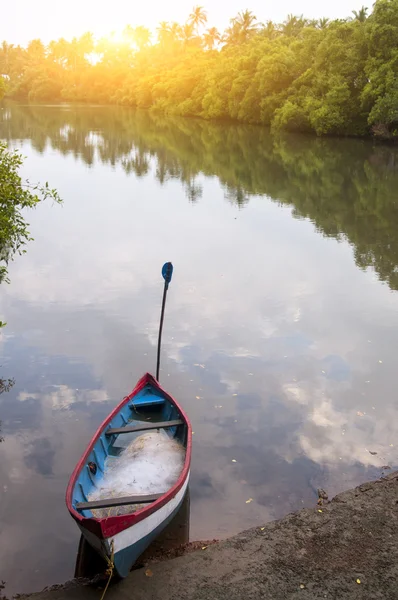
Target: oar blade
<point>167,272</point>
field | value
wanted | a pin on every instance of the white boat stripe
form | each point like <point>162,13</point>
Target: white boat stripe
<point>139,530</point>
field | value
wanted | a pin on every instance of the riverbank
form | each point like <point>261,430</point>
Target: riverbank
<point>345,549</point>
<point>379,135</point>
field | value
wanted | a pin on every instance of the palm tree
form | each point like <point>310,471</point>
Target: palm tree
<point>175,31</point>
<point>247,22</point>
<point>242,27</point>
<point>269,30</point>
<point>361,15</point>
<point>141,36</point>
<point>211,37</point>
<point>186,32</point>
<point>197,17</point>
<point>293,25</point>
<point>163,32</point>
<point>232,34</point>
<point>323,23</point>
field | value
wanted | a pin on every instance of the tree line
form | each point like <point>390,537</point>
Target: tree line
<point>325,76</point>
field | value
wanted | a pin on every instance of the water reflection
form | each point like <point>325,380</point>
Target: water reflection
<point>279,347</point>
<point>346,187</point>
<point>5,386</point>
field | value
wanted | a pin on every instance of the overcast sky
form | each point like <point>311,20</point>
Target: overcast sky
<point>23,20</point>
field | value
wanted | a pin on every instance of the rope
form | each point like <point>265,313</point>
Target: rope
<point>109,570</point>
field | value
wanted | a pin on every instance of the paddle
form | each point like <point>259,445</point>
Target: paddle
<point>167,272</point>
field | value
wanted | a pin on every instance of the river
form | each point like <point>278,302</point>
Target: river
<point>281,328</point>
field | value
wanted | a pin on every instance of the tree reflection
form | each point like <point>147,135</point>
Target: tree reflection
<point>346,187</point>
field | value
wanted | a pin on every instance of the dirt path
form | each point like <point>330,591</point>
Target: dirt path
<point>347,549</point>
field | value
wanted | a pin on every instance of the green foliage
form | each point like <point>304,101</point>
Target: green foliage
<point>329,77</point>
<point>380,93</point>
<point>15,196</point>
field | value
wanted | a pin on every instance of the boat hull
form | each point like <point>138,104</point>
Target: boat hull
<point>129,544</point>
<point>123,538</point>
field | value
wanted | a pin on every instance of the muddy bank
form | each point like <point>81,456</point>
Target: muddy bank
<point>346,549</point>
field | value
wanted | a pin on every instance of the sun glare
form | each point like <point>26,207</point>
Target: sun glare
<point>115,38</point>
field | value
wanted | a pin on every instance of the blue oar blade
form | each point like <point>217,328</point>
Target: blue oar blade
<point>167,272</point>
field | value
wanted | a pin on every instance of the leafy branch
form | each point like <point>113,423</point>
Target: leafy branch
<point>15,196</point>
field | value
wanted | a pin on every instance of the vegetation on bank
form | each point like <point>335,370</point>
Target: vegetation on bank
<point>329,77</point>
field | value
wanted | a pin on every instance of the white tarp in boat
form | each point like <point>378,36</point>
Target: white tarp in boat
<point>150,464</point>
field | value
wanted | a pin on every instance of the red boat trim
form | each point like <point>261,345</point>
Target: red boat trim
<point>109,526</point>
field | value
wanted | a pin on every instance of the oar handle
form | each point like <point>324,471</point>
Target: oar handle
<point>167,273</point>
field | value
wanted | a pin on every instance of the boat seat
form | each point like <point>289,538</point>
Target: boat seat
<point>143,427</point>
<point>110,502</point>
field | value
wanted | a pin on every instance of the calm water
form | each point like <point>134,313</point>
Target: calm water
<point>281,332</point>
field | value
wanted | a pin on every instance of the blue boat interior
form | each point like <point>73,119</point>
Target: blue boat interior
<point>150,405</point>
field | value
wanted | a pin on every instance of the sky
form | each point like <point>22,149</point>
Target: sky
<point>23,20</point>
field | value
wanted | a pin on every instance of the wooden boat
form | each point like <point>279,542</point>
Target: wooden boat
<point>123,538</point>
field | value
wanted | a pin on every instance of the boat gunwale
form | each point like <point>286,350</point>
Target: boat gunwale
<point>106,527</point>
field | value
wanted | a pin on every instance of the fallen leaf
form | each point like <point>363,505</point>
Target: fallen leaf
<point>372,453</point>
<point>204,547</point>
<point>302,586</point>
<point>358,580</point>
<point>380,361</point>
<point>319,510</point>
<point>250,500</point>
<point>197,397</point>
<point>262,528</point>
<point>360,414</point>
<point>148,573</point>
<point>233,460</point>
